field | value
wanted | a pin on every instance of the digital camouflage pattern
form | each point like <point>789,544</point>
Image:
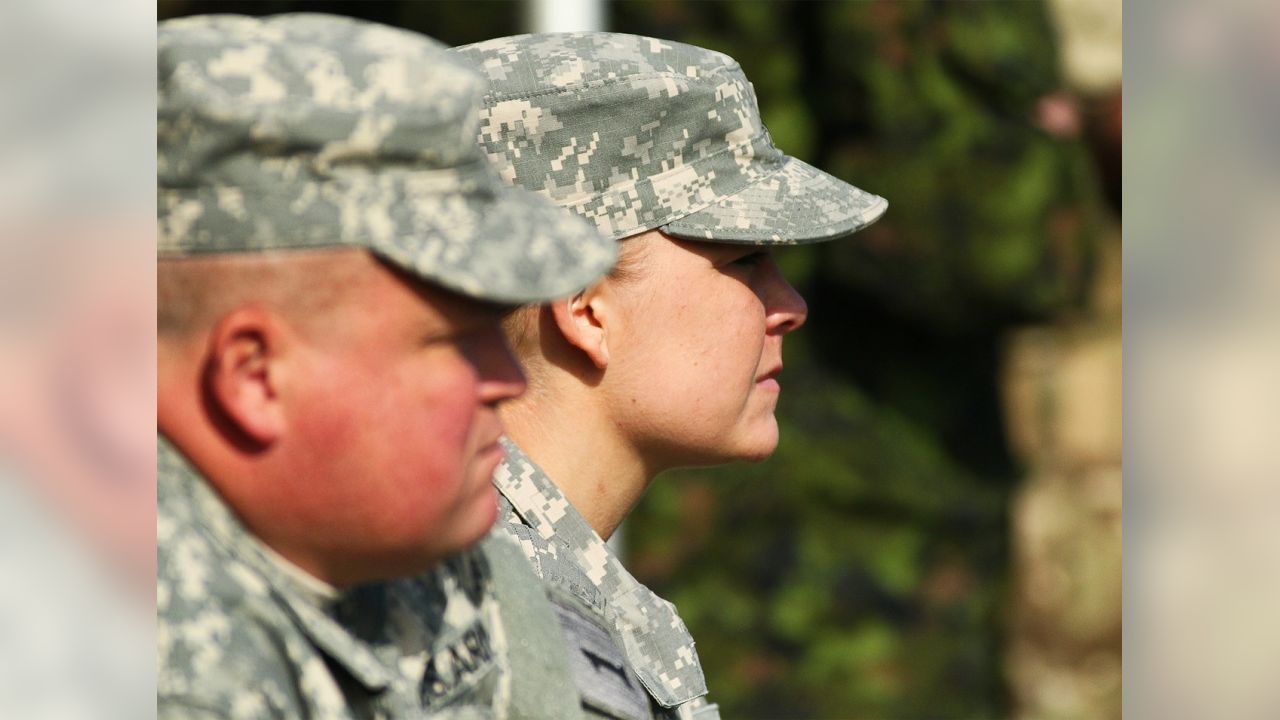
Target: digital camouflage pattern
<point>306,130</point>
<point>643,637</point>
<point>634,133</point>
<point>243,635</point>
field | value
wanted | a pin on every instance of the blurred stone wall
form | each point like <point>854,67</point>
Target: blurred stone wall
<point>1062,392</point>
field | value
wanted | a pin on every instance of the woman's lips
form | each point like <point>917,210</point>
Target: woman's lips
<point>769,380</point>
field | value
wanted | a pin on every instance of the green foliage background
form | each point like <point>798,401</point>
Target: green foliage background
<point>861,572</point>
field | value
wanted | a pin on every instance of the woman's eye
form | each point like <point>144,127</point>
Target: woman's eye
<point>750,259</point>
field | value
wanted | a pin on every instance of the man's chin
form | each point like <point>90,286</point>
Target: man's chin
<point>489,511</point>
<point>481,513</point>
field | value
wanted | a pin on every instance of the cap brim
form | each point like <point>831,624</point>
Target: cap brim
<point>507,246</point>
<point>797,204</point>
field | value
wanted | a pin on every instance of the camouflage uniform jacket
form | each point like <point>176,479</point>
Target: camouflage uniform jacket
<point>630,653</point>
<point>242,636</point>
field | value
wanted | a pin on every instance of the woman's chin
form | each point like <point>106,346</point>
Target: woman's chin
<point>759,447</point>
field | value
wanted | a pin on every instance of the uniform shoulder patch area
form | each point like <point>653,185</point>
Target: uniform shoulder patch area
<point>598,666</point>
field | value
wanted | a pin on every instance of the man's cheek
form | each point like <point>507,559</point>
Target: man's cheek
<point>330,424</point>
<point>449,419</point>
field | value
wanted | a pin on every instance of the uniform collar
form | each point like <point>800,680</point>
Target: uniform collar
<point>182,491</point>
<point>655,640</point>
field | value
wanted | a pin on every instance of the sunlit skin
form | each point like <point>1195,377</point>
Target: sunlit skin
<point>358,447</point>
<point>676,366</point>
<point>695,354</point>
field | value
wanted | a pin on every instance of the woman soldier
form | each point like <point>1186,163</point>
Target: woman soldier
<point>670,361</point>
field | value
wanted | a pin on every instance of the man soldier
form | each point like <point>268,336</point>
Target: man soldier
<point>335,254</point>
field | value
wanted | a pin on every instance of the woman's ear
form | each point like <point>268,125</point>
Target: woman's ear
<point>243,373</point>
<point>582,321</point>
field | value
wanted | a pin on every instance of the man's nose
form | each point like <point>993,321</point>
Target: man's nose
<point>501,377</point>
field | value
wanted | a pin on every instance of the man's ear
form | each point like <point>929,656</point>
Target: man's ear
<point>582,321</point>
<point>243,373</point>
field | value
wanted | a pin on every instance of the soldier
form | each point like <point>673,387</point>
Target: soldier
<point>335,254</point>
<point>673,359</point>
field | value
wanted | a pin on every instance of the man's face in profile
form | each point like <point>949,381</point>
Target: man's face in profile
<point>391,422</point>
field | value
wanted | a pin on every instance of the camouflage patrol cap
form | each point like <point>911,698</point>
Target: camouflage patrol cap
<point>635,133</point>
<point>307,130</point>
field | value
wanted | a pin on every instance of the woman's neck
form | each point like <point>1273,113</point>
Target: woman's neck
<point>580,448</point>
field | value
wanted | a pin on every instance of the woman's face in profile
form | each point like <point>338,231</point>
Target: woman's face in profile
<point>695,351</point>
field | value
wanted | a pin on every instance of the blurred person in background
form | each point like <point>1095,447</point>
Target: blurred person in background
<point>670,361</point>
<point>77,349</point>
<point>335,255</point>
